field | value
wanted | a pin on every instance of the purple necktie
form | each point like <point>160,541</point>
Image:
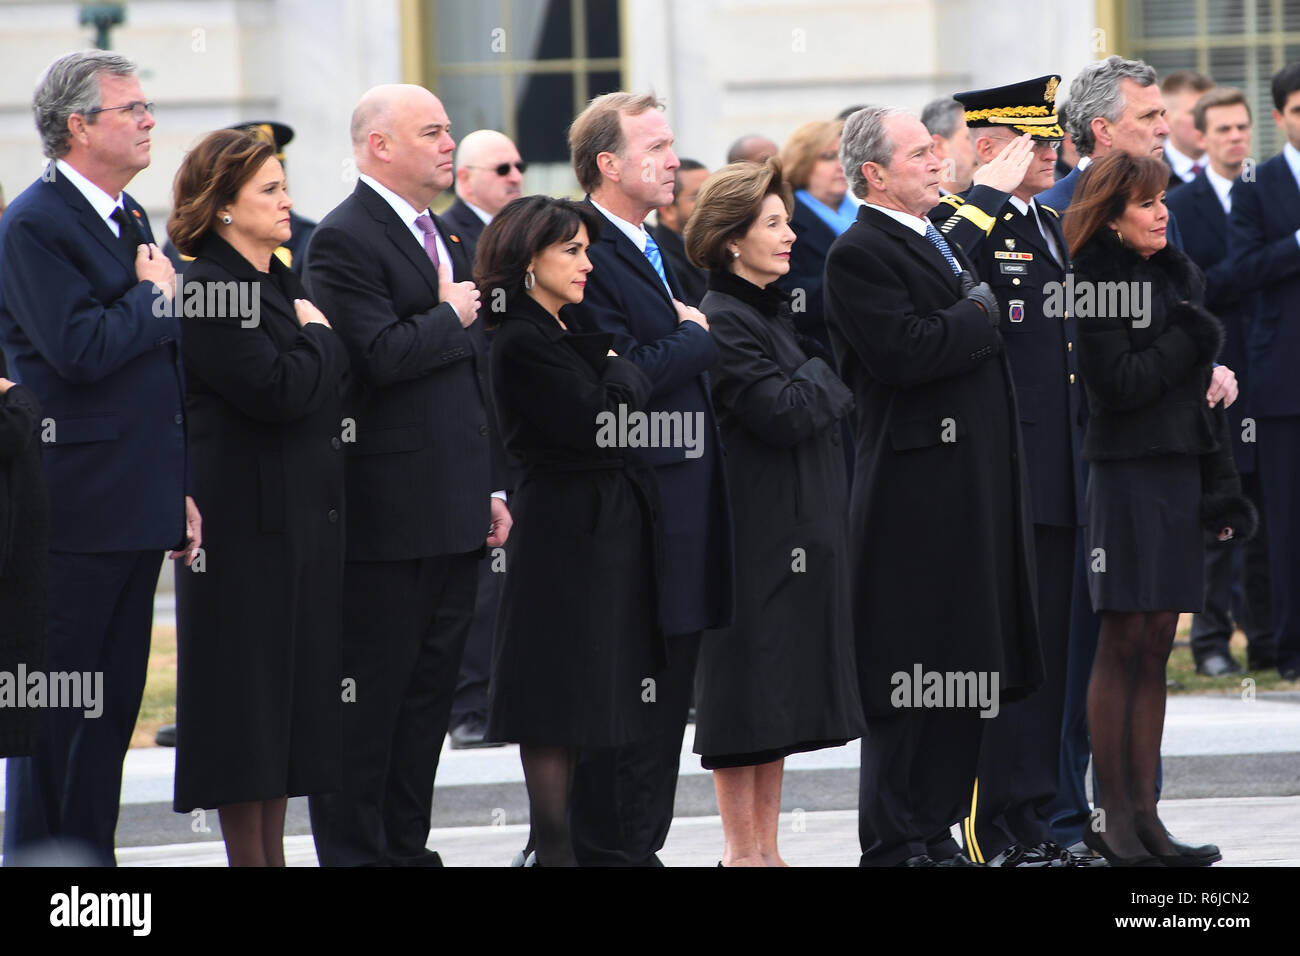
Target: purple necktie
<point>425,224</point>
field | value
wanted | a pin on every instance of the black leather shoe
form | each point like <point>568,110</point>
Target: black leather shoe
<point>957,859</point>
<point>1094,842</point>
<point>1218,665</point>
<point>1082,856</point>
<point>468,735</point>
<point>1026,856</point>
<point>921,860</point>
<point>166,736</point>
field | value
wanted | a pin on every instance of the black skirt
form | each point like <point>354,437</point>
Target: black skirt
<point>1146,546</point>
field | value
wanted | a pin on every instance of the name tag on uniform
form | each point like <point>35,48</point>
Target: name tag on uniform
<point>1023,256</point>
<point>1013,268</point>
<point>1016,310</point>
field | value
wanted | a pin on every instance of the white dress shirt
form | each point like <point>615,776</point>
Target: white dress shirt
<point>100,201</point>
<point>408,214</point>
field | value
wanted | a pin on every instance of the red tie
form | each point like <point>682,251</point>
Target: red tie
<point>1196,169</point>
<point>425,224</point>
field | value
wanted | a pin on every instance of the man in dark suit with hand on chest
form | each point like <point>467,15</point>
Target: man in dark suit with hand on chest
<point>622,151</point>
<point>390,277</point>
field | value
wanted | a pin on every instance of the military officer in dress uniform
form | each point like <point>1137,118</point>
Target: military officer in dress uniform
<point>1017,246</point>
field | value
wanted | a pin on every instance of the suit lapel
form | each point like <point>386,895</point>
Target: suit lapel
<point>919,246</point>
<point>1285,192</point>
<point>1026,231</point>
<point>633,256</point>
<point>400,235</point>
<point>461,270</point>
<point>91,220</point>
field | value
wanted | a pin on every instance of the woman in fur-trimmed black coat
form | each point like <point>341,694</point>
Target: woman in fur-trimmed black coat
<point>24,543</point>
<point>1162,480</point>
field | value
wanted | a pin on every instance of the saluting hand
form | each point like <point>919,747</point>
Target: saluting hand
<point>1006,170</point>
<point>463,296</point>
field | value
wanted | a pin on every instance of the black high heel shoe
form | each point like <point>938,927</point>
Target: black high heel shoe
<point>1185,854</point>
<point>1093,841</point>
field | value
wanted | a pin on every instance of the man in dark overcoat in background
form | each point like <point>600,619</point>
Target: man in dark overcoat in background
<point>939,524</point>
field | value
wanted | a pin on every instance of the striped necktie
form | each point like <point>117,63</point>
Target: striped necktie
<point>939,242</point>
<point>656,259</point>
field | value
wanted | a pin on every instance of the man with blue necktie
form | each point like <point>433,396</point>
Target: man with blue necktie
<point>622,150</point>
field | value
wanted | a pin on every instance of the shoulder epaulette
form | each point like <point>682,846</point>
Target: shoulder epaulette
<point>952,199</point>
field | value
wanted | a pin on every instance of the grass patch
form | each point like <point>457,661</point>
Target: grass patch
<point>159,704</point>
<point>1182,668</point>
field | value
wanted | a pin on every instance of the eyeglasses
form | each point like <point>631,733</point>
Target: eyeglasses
<point>138,110</point>
<point>504,168</point>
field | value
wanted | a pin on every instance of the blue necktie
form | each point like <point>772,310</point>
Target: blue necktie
<point>939,242</point>
<point>656,260</point>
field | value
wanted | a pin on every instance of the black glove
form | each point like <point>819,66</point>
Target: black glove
<point>983,296</point>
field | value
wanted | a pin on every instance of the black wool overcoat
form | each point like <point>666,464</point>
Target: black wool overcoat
<point>258,684</point>
<point>939,522</point>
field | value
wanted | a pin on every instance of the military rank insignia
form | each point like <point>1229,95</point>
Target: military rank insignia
<point>1016,310</point>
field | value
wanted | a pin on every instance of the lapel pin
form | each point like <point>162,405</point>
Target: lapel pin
<point>454,238</point>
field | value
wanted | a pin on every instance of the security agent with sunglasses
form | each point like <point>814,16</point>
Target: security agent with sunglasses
<point>1018,247</point>
<point>489,174</point>
<point>81,285</point>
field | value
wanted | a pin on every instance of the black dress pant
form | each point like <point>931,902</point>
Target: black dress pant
<point>404,628</point>
<point>471,698</point>
<point>1279,474</point>
<point>1020,752</point>
<point>622,803</point>
<point>61,804</point>
<point>915,780</point>
<point>1237,593</point>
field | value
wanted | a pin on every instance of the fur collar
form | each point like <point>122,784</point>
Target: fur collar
<point>1104,258</point>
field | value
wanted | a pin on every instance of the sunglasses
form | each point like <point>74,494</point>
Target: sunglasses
<point>504,168</point>
<point>138,109</point>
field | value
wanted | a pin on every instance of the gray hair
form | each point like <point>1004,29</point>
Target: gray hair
<point>865,140</point>
<point>71,85</point>
<point>940,116</point>
<point>1096,92</point>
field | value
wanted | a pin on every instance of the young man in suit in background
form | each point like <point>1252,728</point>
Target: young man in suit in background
<point>393,280</point>
<point>85,319</point>
<point>1223,118</point>
<point>622,150</point>
<point>1264,244</point>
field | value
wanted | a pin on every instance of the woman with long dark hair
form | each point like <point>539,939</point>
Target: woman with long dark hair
<point>579,634</point>
<point>1161,478</point>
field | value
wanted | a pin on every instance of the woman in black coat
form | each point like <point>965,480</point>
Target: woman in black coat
<point>258,685</point>
<point>1162,479</point>
<point>782,679</point>
<point>24,549</point>
<point>579,635</point>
